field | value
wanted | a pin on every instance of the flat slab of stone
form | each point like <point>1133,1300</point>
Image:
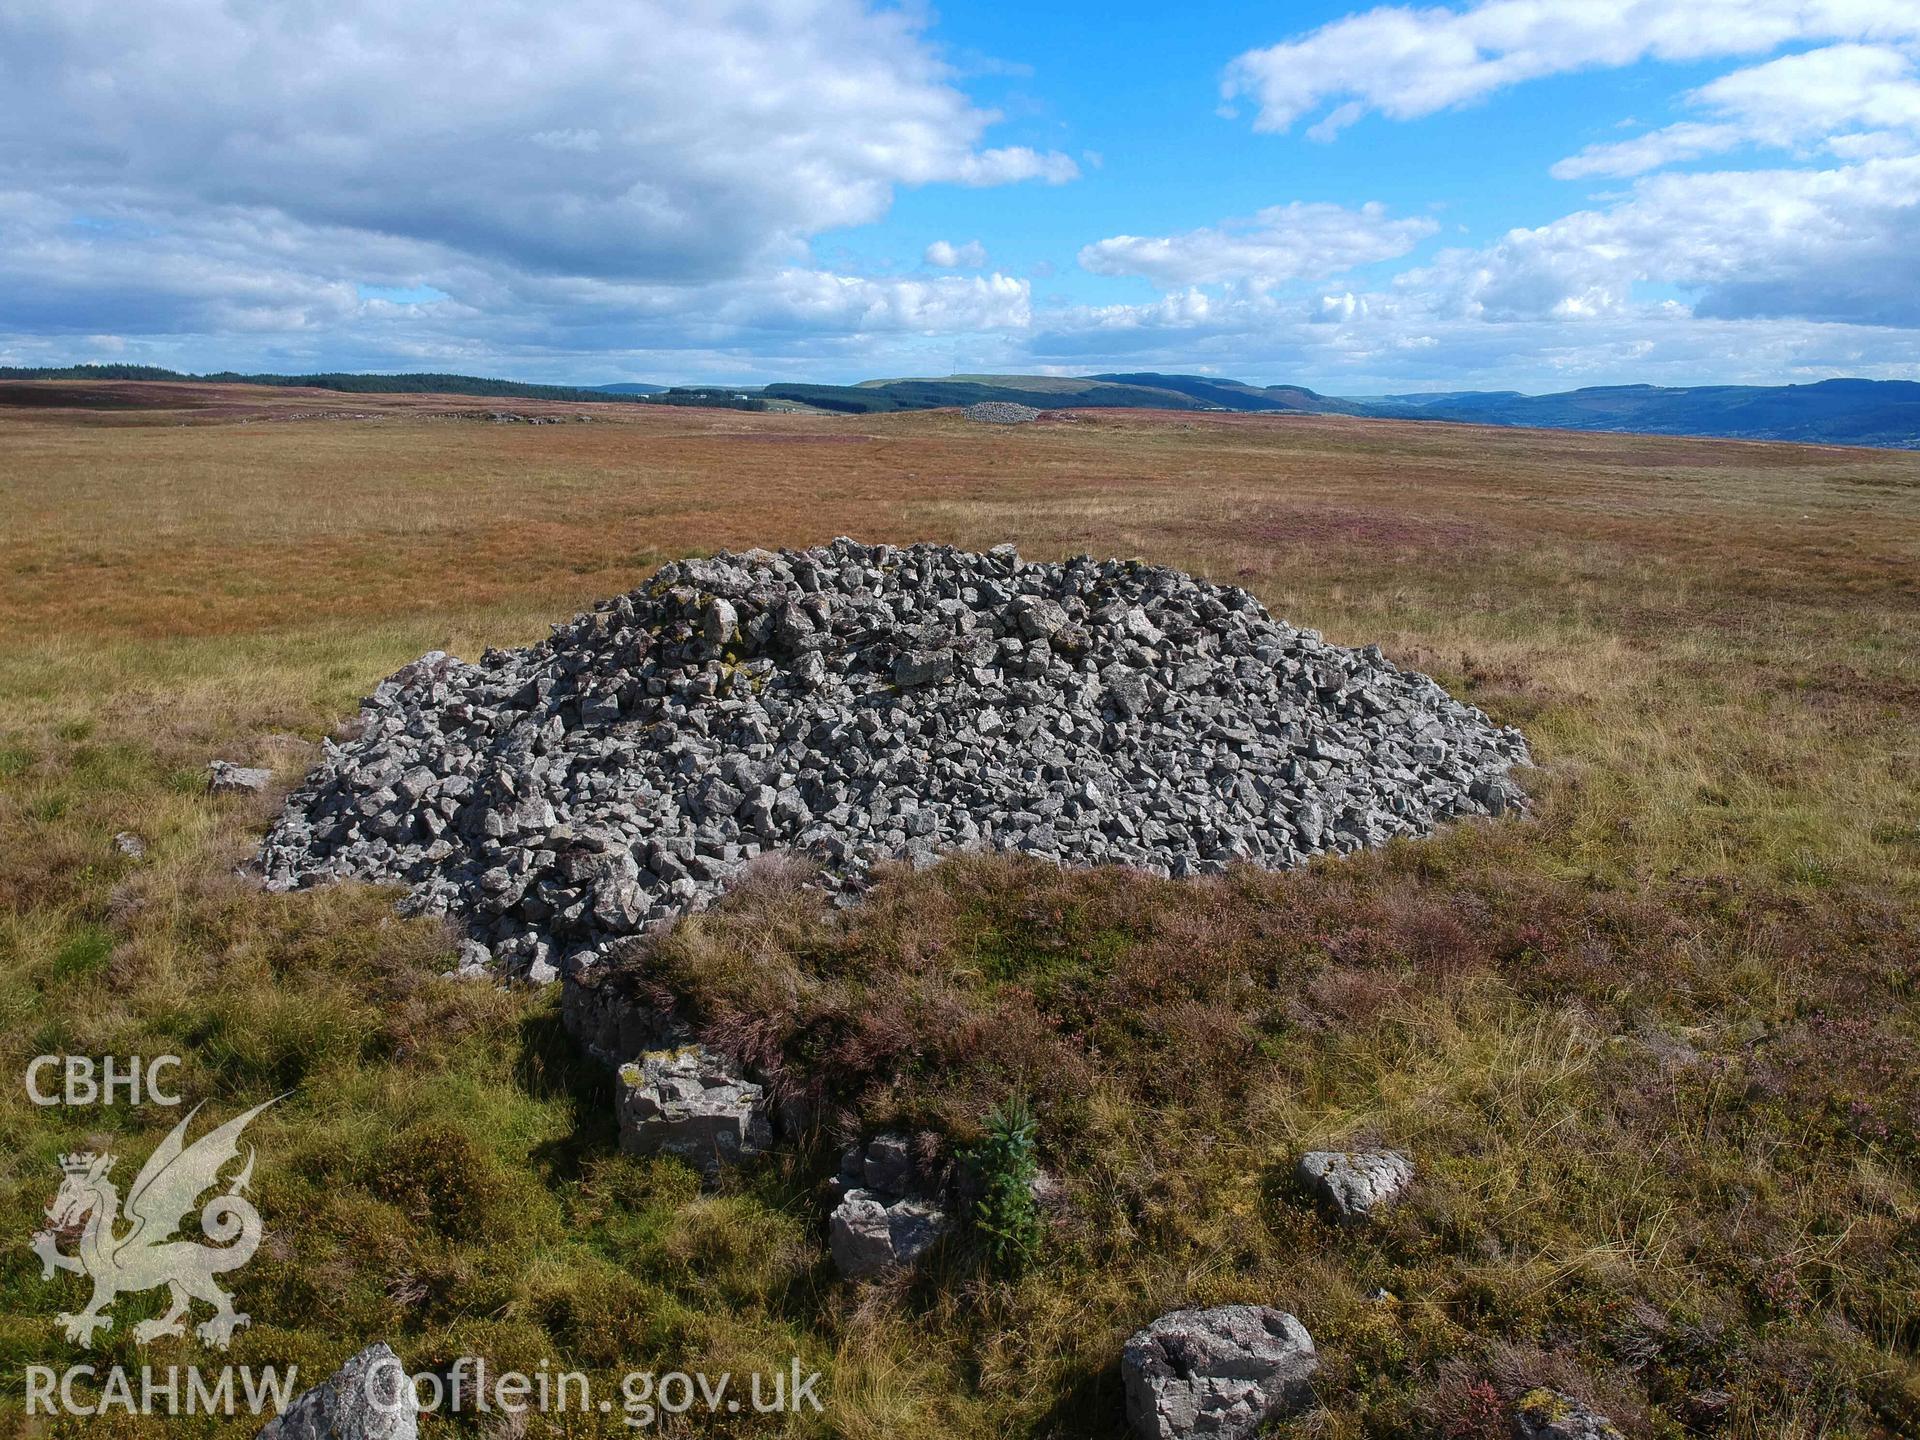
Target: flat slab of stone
<point>226,778</point>
<point>694,1103</point>
<point>1354,1184</point>
<point>1223,1372</point>
<point>368,1398</point>
<point>883,1165</point>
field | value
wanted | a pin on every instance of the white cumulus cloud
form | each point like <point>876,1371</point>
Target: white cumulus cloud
<point>1834,244</point>
<point>1403,62</point>
<point>187,167</point>
<point>1283,242</point>
<point>1808,266</point>
<point>951,303</point>
<point>948,256</point>
<point>1842,98</point>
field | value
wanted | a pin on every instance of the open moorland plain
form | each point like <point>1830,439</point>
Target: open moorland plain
<point>1655,1046</point>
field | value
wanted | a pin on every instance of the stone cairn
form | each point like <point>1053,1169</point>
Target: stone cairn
<point>1001,412</point>
<point>855,703</point>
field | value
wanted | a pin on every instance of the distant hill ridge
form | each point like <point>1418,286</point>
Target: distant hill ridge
<point>1830,412</point>
<point>415,384</point>
<point>1837,412</point>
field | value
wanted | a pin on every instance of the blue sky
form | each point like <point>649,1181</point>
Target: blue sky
<point>1529,194</point>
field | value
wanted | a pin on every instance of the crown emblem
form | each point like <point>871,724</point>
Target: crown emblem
<point>120,1257</point>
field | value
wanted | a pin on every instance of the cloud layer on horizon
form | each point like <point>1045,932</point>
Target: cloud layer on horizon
<point>188,167</point>
<point>1806,262</point>
<point>623,186</point>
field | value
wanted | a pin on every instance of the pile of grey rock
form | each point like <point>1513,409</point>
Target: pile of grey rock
<point>861,702</point>
<point>1001,412</point>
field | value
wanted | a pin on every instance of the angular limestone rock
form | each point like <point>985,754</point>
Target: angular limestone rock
<point>1354,1184</point>
<point>1223,1372</point>
<point>694,1103</point>
<point>368,1398</point>
<point>883,1219</point>
<point>871,1235</point>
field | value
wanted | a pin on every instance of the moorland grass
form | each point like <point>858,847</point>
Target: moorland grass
<point>1656,1047</point>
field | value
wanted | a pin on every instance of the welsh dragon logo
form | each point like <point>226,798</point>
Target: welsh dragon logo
<point>145,1255</point>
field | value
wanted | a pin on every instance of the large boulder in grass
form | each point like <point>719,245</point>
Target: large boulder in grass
<point>872,1234</point>
<point>1224,1372</point>
<point>1354,1184</point>
<point>368,1398</point>
<point>694,1103</point>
